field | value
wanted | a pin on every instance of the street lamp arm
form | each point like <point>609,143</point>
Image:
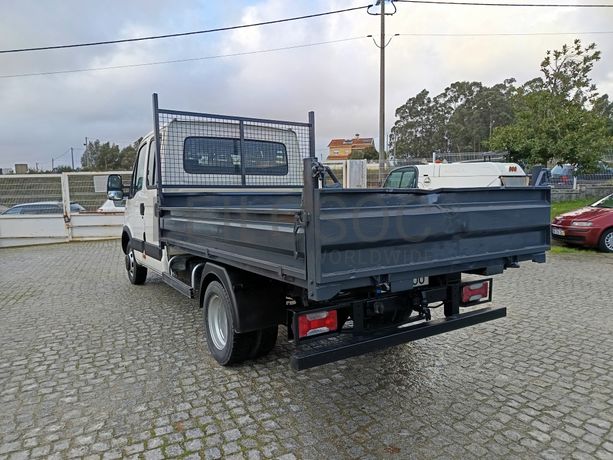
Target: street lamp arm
<point>388,42</point>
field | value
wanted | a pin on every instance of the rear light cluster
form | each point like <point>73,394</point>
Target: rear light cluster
<point>317,323</point>
<point>475,291</point>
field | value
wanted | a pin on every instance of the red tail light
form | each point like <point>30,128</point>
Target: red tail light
<point>475,291</point>
<point>317,323</point>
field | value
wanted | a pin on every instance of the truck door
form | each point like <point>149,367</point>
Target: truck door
<point>141,210</point>
<point>149,193</point>
<point>135,205</point>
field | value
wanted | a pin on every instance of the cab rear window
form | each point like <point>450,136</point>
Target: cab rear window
<point>218,155</point>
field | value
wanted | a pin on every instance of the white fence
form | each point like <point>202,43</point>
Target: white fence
<point>86,189</point>
<point>350,173</point>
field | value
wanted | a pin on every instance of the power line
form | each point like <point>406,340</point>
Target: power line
<point>306,45</point>
<point>202,58</point>
<point>539,5</point>
<point>62,155</point>
<point>295,18</point>
<point>502,34</point>
<point>180,34</point>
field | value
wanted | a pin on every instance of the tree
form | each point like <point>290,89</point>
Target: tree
<point>566,72</point>
<point>548,127</point>
<point>559,116</point>
<point>369,153</point>
<point>472,121</point>
<point>128,155</point>
<point>62,168</point>
<point>417,132</point>
<point>459,119</point>
<point>108,157</point>
<point>604,108</point>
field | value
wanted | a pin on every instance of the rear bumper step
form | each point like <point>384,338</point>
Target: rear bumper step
<point>308,356</point>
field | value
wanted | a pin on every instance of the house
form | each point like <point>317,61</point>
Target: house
<point>341,149</point>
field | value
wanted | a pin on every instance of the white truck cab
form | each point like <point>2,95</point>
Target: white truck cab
<point>197,154</point>
<point>141,223</point>
<point>457,175</point>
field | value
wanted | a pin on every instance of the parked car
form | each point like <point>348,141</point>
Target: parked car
<point>604,168</point>
<point>601,174</point>
<point>112,206</point>
<point>562,175</point>
<point>42,207</point>
<point>591,226</point>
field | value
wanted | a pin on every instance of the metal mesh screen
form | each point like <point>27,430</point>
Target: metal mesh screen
<point>203,150</point>
<point>86,189</point>
<point>89,190</point>
<point>19,189</point>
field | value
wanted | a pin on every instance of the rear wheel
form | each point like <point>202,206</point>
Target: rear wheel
<point>226,346</point>
<point>265,342</point>
<point>137,274</point>
<point>606,241</point>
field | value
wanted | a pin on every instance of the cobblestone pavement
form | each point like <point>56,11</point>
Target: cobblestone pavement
<point>91,366</point>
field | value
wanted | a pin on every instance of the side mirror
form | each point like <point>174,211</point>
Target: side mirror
<point>114,187</point>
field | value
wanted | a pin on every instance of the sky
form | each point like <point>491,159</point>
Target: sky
<point>41,117</point>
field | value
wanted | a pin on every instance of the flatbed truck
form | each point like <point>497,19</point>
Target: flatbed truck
<point>239,214</point>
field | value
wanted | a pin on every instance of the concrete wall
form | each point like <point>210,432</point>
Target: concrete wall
<point>584,192</point>
<point>44,229</point>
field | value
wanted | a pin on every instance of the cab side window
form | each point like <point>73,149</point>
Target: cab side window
<point>408,179</point>
<point>138,177</point>
<point>393,180</point>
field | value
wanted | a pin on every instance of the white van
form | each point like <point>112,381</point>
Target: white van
<point>457,175</point>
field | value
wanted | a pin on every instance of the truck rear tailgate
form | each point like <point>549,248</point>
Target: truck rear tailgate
<point>359,236</point>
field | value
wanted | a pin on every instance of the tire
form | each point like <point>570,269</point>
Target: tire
<point>226,346</point>
<point>606,241</point>
<point>137,274</point>
<point>265,342</point>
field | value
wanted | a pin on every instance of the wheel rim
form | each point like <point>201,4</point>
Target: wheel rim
<point>131,264</point>
<point>218,322</point>
<point>608,241</point>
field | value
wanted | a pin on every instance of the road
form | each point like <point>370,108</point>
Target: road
<point>91,366</point>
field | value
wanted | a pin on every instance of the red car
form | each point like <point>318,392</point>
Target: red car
<point>591,226</point>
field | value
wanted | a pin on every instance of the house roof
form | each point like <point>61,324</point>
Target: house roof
<point>356,142</point>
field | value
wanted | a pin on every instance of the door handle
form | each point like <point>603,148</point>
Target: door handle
<point>142,209</point>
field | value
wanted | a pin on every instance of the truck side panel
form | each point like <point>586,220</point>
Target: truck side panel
<point>250,230</point>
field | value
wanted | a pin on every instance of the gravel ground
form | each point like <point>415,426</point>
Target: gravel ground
<point>91,366</point>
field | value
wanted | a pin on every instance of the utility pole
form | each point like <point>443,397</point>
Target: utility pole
<point>382,95</point>
<point>72,157</point>
<point>52,164</point>
<point>382,45</point>
<point>84,151</point>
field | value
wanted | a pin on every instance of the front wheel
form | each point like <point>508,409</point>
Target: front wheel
<point>226,346</point>
<point>137,274</point>
<point>606,241</point>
